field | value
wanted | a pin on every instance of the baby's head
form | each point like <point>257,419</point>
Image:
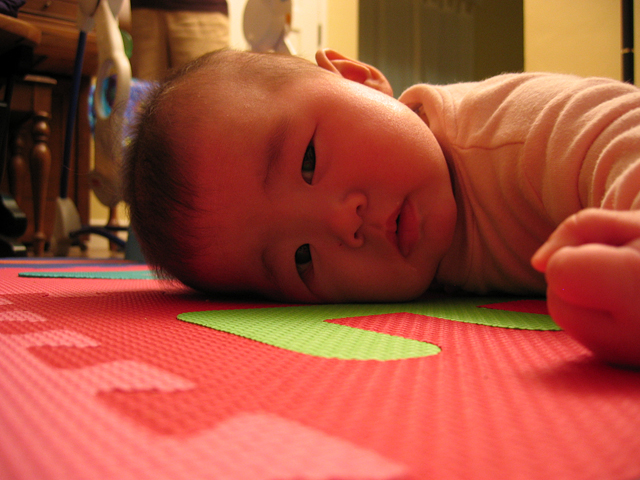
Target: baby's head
<point>266,173</point>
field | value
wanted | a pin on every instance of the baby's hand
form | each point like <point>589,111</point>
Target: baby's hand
<point>592,267</point>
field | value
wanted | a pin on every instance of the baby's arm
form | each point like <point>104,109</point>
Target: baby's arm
<point>592,267</point>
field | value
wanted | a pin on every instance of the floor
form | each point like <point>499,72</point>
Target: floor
<point>96,247</point>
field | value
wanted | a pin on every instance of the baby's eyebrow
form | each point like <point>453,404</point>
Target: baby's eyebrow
<point>275,143</point>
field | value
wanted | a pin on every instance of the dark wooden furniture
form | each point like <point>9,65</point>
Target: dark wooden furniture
<point>54,58</point>
<point>31,104</point>
<point>17,42</point>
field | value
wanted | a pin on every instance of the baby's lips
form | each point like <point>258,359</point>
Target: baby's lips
<point>408,229</point>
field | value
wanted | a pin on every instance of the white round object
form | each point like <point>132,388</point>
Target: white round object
<point>266,22</point>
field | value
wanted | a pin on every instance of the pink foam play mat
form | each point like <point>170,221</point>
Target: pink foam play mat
<point>108,373</point>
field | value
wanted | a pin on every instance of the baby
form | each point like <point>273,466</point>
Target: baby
<point>268,174</point>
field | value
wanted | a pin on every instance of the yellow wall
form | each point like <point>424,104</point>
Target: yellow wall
<point>569,36</point>
<point>342,27</point>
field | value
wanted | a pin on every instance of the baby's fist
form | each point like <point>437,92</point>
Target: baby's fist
<point>592,267</point>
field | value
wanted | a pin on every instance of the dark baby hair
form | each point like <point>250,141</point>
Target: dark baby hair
<point>158,184</point>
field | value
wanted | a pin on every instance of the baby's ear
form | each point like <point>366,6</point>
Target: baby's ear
<point>353,70</point>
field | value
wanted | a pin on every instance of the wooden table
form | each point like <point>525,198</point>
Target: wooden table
<point>15,32</point>
<point>54,58</point>
<point>17,42</point>
<point>31,104</point>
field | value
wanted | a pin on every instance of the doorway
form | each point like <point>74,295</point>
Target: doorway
<point>441,41</point>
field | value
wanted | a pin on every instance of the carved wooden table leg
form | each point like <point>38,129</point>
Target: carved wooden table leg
<point>17,166</point>
<point>40,165</point>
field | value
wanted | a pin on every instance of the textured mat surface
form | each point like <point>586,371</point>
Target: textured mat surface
<point>106,372</point>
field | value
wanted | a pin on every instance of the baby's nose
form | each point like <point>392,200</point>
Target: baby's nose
<point>345,221</point>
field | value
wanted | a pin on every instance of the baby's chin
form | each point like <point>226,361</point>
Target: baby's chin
<point>388,296</point>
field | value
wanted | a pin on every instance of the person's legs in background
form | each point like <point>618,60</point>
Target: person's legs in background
<point>192,34</point>
<point>150,58</point>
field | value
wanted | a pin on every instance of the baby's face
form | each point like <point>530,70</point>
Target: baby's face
<point>323,191</point>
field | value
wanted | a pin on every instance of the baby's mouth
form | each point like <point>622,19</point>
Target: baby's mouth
<point>392,226</point>
<point>403,228</point>
<point>407,229</point>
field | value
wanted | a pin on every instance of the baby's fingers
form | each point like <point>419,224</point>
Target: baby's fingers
<point>596,276</point>
<point>592,293</point>
<point>608,227</point>
<point>599,331</point>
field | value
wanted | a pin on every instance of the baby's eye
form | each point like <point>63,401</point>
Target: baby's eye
<point>309,163</point>
<point>303,259</point>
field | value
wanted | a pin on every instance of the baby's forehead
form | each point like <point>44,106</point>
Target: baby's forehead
<point>211,119</point>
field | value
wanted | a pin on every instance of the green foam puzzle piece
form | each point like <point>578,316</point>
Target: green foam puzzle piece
<point>304,329</point>
<point>106,275</point>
